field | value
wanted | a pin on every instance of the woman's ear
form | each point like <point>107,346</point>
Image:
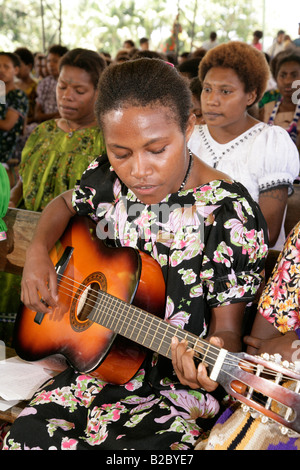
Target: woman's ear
<point>190,126</point>
<point>252,95</point>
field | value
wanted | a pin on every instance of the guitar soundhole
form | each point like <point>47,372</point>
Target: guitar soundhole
<point>85,301</point>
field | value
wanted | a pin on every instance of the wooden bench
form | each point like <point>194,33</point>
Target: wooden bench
<point>21,225</point>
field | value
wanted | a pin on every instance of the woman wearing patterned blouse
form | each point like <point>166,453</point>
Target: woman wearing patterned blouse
<point>59,150</point>
<point>262,157</point>
<point>205,232</point>
<point>14,110</point>
<point>276,331</point>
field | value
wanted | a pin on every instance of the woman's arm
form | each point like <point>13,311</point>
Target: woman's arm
<point>39,278</point>
<point>16,194</point>
<point>272,204</point>
<point>40,116</point>
<point>265,338</point>
<point>10,120</point>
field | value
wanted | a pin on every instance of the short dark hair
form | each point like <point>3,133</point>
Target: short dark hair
<point>144,40</point>
<point>90,61</point>
<point>283,57</point>
<point>249,64</point>
<point>144,82</point>
<point>258,34</point>
<point>190,66</point>
<point>13,57</point>
<point>58,50</point>
<point>25,55</point>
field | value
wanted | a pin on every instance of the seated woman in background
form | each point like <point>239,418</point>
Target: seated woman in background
<point>13,111</point>
<point>276,330</point>
<point>56,154</point>
<point>263,158</point>
<point>59,150</point>
<point>25,81</point>
<point>285,110</point>
<point>46,105</point>
<point>209,239</point>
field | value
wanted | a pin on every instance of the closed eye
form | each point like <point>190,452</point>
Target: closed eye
<point>156,152</point>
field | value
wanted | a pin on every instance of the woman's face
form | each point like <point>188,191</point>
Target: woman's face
<point>223,99</point>
<point>53,64</point>
<point>147,150</point>
<point>288,73</point>
<point>76,95</point>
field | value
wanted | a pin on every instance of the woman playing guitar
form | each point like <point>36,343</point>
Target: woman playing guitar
<point>205,232</point>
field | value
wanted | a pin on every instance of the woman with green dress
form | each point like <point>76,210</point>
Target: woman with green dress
<point>59,150</point>
<point>56,154</point>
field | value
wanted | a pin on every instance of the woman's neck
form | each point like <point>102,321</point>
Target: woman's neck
<point>286,105</point>
<point>226,134</point>
<point>10,86</point>
<point>71,126</point>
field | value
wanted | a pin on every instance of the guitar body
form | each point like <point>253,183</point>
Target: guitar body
<point>125,273</point>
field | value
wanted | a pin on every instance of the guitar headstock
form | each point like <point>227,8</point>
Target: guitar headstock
<point>265,384</point>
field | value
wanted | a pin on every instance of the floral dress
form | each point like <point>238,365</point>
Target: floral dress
<point>211,243</point>
<point>279,302</point>
<point>16,100</point>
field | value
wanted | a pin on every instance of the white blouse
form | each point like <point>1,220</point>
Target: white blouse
<point>261,158</point>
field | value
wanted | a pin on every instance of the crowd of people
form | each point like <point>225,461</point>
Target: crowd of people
<point>188,159</point>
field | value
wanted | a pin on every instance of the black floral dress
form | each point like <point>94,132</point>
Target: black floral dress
<point>210,242</point>
<point>17,100</point>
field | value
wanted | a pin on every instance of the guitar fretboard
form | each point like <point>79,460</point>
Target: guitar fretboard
<point>139,326</point>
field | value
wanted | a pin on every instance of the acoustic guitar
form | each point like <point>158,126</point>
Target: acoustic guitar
<point>111,310</point>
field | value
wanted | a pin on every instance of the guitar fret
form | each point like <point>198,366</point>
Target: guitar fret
<point>133,319</point>
<point>119,315</point>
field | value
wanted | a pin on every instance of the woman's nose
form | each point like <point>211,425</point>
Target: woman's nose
<point>140,167</point>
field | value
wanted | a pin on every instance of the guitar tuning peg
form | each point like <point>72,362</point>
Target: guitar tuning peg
<point>265,356</point>
<point>285,364</point>
<point>245,408</point>
<point>296,365</point>
<point>277,358</point>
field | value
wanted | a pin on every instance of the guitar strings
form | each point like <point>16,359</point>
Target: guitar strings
<point>211,353</point>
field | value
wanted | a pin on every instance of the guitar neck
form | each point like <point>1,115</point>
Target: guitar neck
<point>231,370</point>
<point>139,326</point>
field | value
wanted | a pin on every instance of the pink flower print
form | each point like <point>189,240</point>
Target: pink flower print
<point>195,405</point>
<point>28,411</point>
<point>69,444</point>
<point>93,165</point>
<point>117,188</point>
<point>206,187</point>
<point>239,210</point>
<point>178,319</point>
<point>236,232</point>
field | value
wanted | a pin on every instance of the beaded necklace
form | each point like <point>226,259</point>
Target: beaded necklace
<point>292,128</point>
<point>187,171</point>
<point>71,130</point>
